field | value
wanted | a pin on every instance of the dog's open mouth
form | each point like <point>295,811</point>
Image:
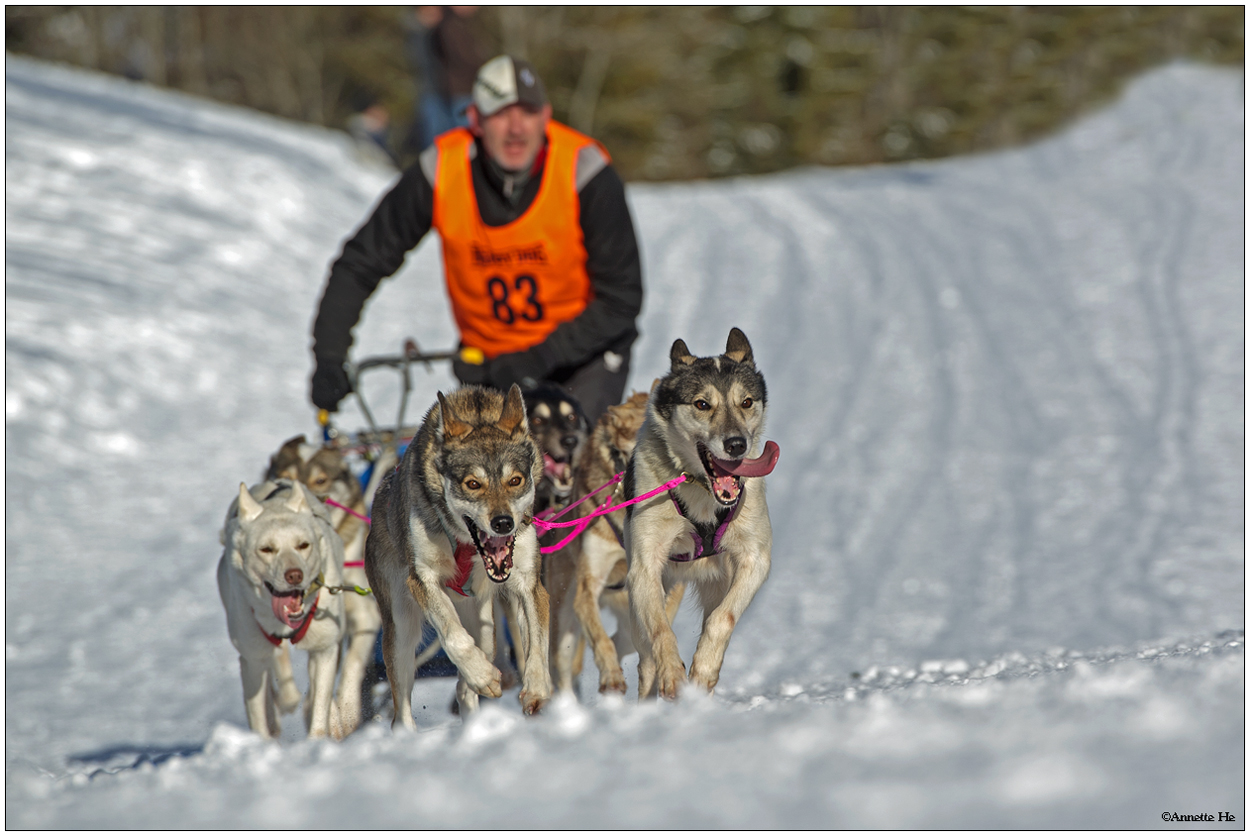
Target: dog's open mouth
<point>288,607</point>
<point>559,473</point>
<point>726,475</point>
<point>726,487</point>
<point>496,552</point>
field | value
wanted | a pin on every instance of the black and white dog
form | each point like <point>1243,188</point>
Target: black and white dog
<point>705,419</point>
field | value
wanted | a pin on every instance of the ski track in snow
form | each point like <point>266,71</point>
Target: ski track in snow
<point>1008,579</point>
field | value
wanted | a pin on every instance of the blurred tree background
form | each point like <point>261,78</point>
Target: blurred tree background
<point>674,92</point>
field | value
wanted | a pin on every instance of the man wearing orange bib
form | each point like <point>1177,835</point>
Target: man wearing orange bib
<point>541,262</point>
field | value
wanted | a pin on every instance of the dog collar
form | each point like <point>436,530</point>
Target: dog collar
<point>708,535</point>
<point>298,634</point>
<point>313,589</point>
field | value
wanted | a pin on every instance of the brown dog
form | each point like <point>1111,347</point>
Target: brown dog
<point>592,567</point>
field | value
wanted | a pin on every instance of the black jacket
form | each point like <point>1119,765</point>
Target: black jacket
<point>404,216</point>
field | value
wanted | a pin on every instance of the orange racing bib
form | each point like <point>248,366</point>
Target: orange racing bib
<point>511,285</point>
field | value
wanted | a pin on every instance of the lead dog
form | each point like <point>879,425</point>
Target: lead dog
<point>452,529</point>
<point>325,472</point>
<point>711,531</point>
<point>560,429</point>
<point>281,560</point>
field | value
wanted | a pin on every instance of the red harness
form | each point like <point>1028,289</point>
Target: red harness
<point>298,634</point>
<point>465,552</point>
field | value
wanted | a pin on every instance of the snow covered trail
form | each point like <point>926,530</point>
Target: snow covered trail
<point>1012,386</point>
<point>1059,741</point>
<point>1008,577</point>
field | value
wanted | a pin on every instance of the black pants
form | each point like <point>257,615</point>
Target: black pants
<point>595,386</point>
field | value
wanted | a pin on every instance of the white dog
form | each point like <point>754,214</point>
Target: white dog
<point>282,563</point>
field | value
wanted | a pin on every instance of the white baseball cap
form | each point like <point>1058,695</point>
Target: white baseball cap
<point>505,80</point>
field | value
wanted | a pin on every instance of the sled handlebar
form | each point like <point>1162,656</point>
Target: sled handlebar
<point>403,362</point>
<point>470,355</point>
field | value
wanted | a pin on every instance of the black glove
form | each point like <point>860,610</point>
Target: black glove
<point>329,384</point>
<point>471,374</point>
<point>526,368</point>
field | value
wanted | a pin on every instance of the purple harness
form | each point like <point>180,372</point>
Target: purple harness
<point>707,539</point>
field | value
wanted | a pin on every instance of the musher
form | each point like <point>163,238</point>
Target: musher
<point>541,262</point>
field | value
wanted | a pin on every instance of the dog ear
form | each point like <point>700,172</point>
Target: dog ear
<point>679,355</point>
<point>738,349</point>
<point>307,451</point>
<point>298,502</point>
<point>512,419</point>
<point>452,426</point>
<point>611,417</point>
<point>249,509</point>
<point>282,462</point>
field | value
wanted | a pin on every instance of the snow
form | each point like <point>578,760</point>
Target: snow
<point>1008,581</point>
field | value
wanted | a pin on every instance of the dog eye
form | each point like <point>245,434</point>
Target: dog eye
<point>473,484</point>
<point>304,547</point>
<point>516,480</point>
<point>746,403</point>
<point>267,550</point>
<point>702,405</point>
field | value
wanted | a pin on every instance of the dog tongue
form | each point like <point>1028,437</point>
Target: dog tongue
<point>288,608</point>
<point>497,548</point>
<point>556,470</point>
<point>761,466</point>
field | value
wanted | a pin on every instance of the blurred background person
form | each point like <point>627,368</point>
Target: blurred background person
<point>444,51</point>
<point>370,126</point>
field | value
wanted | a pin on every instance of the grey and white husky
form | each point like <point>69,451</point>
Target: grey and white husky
<point>452,529</point>
<point>705,419</point>
<point>282,560</point>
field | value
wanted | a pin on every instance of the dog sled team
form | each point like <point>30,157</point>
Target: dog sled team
<point>664,493</point>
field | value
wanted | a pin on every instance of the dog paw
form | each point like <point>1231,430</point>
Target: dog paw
<point>611,682</point>
<point>483,677</point>
<point>703,682</point>
<point>343,720</point>
<point>669,679</point>
<point>532,703</point>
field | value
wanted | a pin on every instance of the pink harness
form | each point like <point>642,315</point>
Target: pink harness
<point>580,525</point>
<point>328,501</point>
<point>545,521</point>
<point>702,546</point>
